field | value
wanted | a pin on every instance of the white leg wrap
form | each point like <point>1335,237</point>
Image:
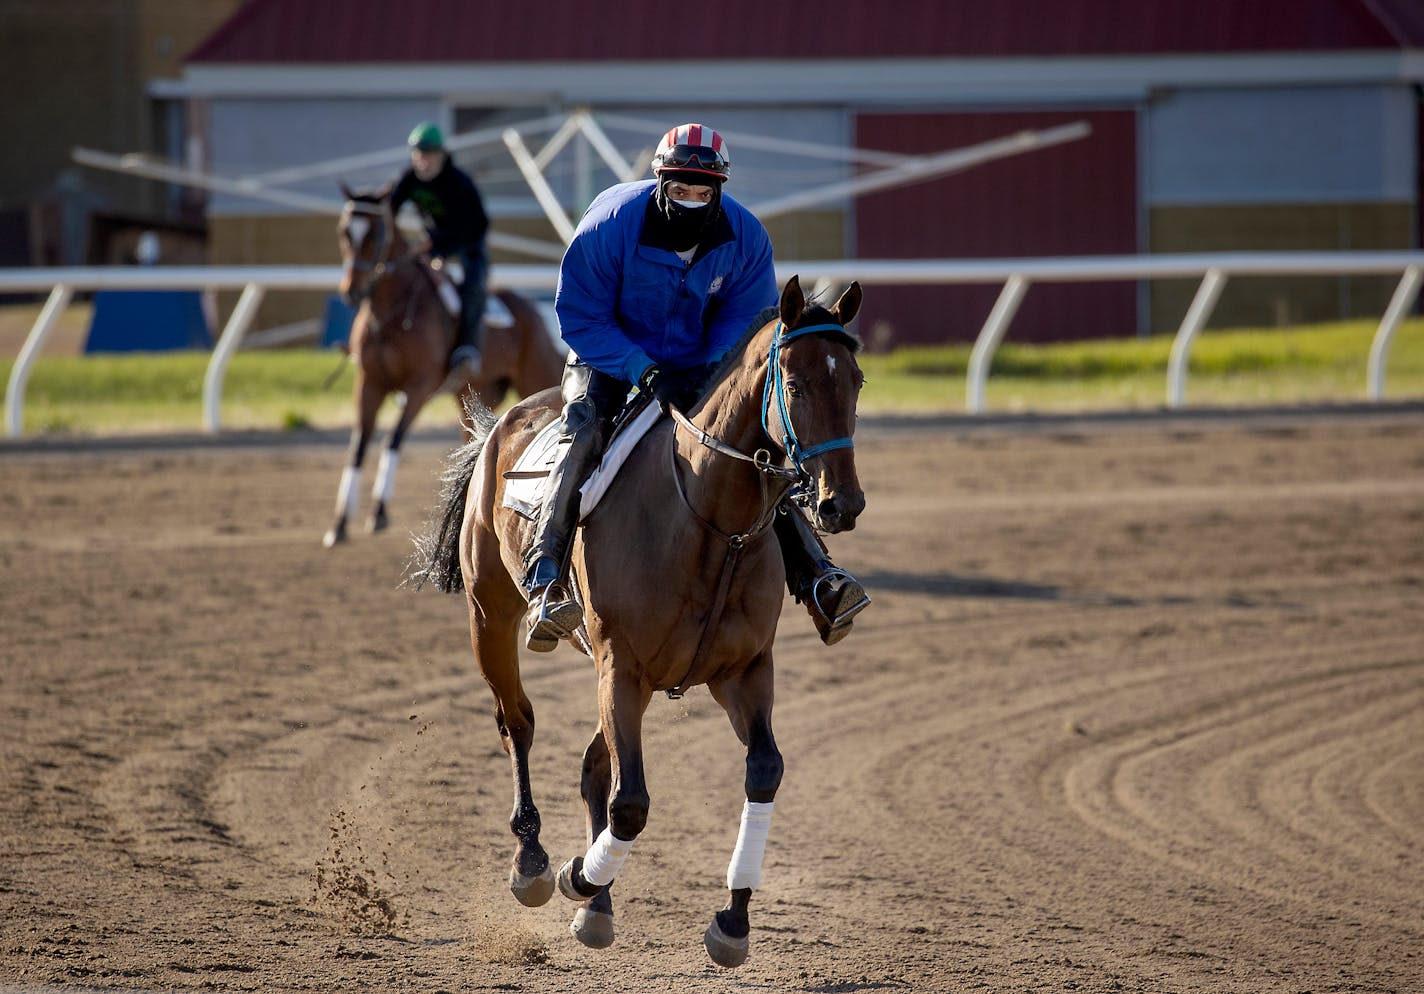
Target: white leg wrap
<point>745,868</point>
<point>348,495</point>
<point>605,858</point>
<point>386,475</point>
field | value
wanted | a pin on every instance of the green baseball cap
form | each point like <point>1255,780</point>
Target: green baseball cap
<point>427,137</point>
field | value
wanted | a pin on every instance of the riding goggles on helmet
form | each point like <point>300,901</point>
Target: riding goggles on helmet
<point>694,158</point>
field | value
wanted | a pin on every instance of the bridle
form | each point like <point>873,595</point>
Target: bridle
<point>775,390</point>
<point>800,485</point>
<point>776,387</point>
<point>378,265</point>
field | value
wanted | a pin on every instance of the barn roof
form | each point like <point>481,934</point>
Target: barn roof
<point>317,31</point>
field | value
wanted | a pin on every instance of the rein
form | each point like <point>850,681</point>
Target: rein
<point>796,477</point>
<point>775,386</point>
<point>379,266</point>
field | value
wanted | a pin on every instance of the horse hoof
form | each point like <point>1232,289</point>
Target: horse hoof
<point>593,928</point>
<point>569,886</point>
<point>725,950</point>
<point>334,536</point>
<point>377,523</point>
<point>532,892</point>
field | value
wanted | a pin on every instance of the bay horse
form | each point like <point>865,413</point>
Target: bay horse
<point>682,583</point>
<point>400,342</point>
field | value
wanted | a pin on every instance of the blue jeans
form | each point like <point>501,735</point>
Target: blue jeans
<point>473,294</point>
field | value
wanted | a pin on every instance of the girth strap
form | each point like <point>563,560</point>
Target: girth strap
<point>719,602</point>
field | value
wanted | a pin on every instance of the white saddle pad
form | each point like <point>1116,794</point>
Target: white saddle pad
<point>524,483</point>
<point>496,314</point>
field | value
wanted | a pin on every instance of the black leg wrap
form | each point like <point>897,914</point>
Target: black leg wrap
<point>572,883</point>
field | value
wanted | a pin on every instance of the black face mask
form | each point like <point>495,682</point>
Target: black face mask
<point>680,228</point>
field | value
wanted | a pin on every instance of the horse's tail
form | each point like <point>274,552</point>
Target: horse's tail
<point>437,549</point>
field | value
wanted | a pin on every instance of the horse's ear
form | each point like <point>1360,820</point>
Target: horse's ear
<point>849,305</point>
<point>346,191</point>
<point>793,302</point>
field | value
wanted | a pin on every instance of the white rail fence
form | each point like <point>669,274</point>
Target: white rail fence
<point>1015,275</point>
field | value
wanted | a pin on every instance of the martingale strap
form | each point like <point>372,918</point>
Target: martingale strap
<point>776,388</point>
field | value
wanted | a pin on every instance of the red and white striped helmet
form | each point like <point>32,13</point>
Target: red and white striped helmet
<point>693,148</point>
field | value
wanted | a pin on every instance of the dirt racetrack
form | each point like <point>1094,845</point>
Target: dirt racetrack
<point>1139,706</point>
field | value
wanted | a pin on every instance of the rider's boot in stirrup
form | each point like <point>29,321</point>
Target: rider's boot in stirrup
<point>465,358</point>
<point>554,613</point>
<point>832,596</point>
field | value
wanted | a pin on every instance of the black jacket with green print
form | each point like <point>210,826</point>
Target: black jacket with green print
<point>450,204</point>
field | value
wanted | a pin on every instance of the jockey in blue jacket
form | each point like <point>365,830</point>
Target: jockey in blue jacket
<point>661,279</point>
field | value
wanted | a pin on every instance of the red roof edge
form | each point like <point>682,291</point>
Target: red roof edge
<point>235,24</point>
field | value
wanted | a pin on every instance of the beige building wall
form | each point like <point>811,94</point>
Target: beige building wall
<point>1272,301</point>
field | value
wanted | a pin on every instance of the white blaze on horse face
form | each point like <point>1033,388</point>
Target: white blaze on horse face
<point>357,229</point>
<point>831,365</point>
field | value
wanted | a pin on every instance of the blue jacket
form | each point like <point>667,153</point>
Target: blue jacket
<point>623,306</point>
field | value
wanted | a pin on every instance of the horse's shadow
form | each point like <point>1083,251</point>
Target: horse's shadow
<point>952,585</point>
<point>945,584</point>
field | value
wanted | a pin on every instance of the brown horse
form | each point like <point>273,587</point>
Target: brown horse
<point>682,584</point>
<point>401,340</point>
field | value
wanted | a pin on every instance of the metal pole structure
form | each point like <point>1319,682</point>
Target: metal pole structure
<point>139,166</point>
<point>542,191</point>
<point>927,167</point>
<point>1202,304</point>
<point>1404,296</point>
<point>981,357</point>
<point>598,138</point>
<point>58,300</point>
<point>742,139</point>
<point>331,167</point>
<point>237,325</point>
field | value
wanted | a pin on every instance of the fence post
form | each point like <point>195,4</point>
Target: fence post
<point>981,357</point>
<point>1197,314</point>
<point>236,327</point>
<point>54,306</point>
<point>1404,296</point>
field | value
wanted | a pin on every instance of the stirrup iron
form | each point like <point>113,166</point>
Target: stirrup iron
<point>552,619</point>
<point>833,600</point>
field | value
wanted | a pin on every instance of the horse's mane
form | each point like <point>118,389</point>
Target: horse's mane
<point>815,314</point>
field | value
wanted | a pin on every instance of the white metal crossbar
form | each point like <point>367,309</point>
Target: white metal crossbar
<point>1016,276</point>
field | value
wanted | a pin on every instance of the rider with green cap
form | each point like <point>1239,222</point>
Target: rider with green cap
<point>456,225</point>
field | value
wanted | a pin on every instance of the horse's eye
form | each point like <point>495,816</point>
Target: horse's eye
<point>793,389</point>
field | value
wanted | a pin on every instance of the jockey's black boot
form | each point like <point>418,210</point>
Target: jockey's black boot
<point>465,358</point>
<point>832,596</point>
<point>553,612</point>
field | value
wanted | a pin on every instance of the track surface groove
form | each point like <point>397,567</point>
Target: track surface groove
<point>1138,707</point>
